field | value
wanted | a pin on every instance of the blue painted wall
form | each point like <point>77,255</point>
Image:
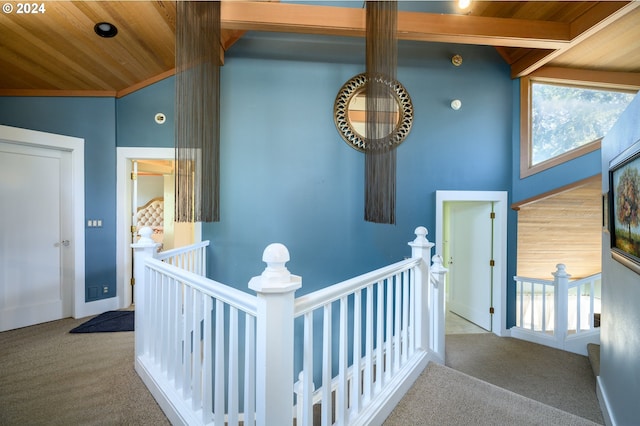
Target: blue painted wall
<point>287,175</point>
<point>620,341</point>
<point>94,120</point>
<point>135,115</point>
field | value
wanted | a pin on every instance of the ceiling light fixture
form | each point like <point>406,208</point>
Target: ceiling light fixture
<point>105,29</point>
<point>463,4</point>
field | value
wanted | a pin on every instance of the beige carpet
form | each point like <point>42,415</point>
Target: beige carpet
<point>442,396</point>
<point>51,377</point>
<point>561,379</point>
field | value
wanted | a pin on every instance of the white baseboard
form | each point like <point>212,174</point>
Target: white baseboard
<point>173,406</point>
<point>383,405</point>
<point>96,307</point>
<point>604,403</point>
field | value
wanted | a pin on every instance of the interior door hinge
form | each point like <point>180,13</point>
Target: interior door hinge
<point>134,176</point>
<point>491,310</point>
<point>492,262</point>
<point>133,229</point>
<point>493,215</point>
<point>133,282</point>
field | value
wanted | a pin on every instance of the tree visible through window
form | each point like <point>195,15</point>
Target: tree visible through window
<point>564,118</point>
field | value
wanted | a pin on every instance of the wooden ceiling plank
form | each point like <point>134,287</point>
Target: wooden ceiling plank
<point>145,83</point>
<point>19,76</point>
<point>58,93</point>
<point>128,55</point>
<point>341,21</point>
<point>480,30</point>
<point>598,17</point>
<point>73,28</point>
<point>61,71</point>
<point>293,18</point>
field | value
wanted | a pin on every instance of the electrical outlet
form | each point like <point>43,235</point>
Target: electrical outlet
<point>105,289</point>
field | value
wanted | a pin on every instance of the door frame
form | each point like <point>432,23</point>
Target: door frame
<point>124,258</point>
<point>75,147</point>
<point>500,198</point>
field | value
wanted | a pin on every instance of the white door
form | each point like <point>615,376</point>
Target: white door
<point>36,258</point>
<point>470,255</point>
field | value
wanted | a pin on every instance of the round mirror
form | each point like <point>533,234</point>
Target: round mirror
<point>395,114</point>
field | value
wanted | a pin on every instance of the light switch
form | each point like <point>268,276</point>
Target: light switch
<point>99,223</point>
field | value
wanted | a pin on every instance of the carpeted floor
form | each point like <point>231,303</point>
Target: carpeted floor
<point>561,379</point>
<point>445,397</point>
<point>49,376</point>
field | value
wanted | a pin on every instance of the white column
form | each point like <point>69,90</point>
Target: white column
<point>421,249</point>
<point>145,248</point>
<point>438,271</point>
<point>561,281</point>
<point>275,290</point>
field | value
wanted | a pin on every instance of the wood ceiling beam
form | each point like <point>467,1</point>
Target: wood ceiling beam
<point>342,21</point>
<point>583,27</point>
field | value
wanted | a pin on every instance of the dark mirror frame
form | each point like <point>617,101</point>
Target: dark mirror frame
<point>352,88</point>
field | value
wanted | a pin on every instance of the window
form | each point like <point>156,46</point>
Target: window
<point>564,119</point>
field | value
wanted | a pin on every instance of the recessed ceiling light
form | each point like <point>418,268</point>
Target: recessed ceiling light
<point>105,29</point>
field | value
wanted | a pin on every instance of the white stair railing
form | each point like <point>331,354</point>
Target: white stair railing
<point>188,334</point>
<point>391,311</point>
<point>191,258</point>
<point>212,354</point>
<point>558,313</point>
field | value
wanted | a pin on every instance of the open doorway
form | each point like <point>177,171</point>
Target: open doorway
<point>149,162</point>
<point>477,220</point>
<point>152,199</point>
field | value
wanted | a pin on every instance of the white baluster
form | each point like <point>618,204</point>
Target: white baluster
<point>356,383</point>
<point>561,281</point>
<point>207,356</point>
<point>368,346</point>
<point>218,366</point>
<point>405,316</point>
<point>342,402</point>
<point>379,379</point>
<point>249,370</point>
<point>326,366</point>
<point>307,371</point>
<point>233,367</point>
<point>389,342</point>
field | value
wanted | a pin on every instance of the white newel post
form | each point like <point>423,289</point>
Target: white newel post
<point>142,250</point>
<point>561,280</point>
<point>439,272</point>
<point>421,249</point>
<point>275,290</point>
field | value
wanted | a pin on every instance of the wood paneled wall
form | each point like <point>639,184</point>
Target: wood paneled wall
<point>561,227</point>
